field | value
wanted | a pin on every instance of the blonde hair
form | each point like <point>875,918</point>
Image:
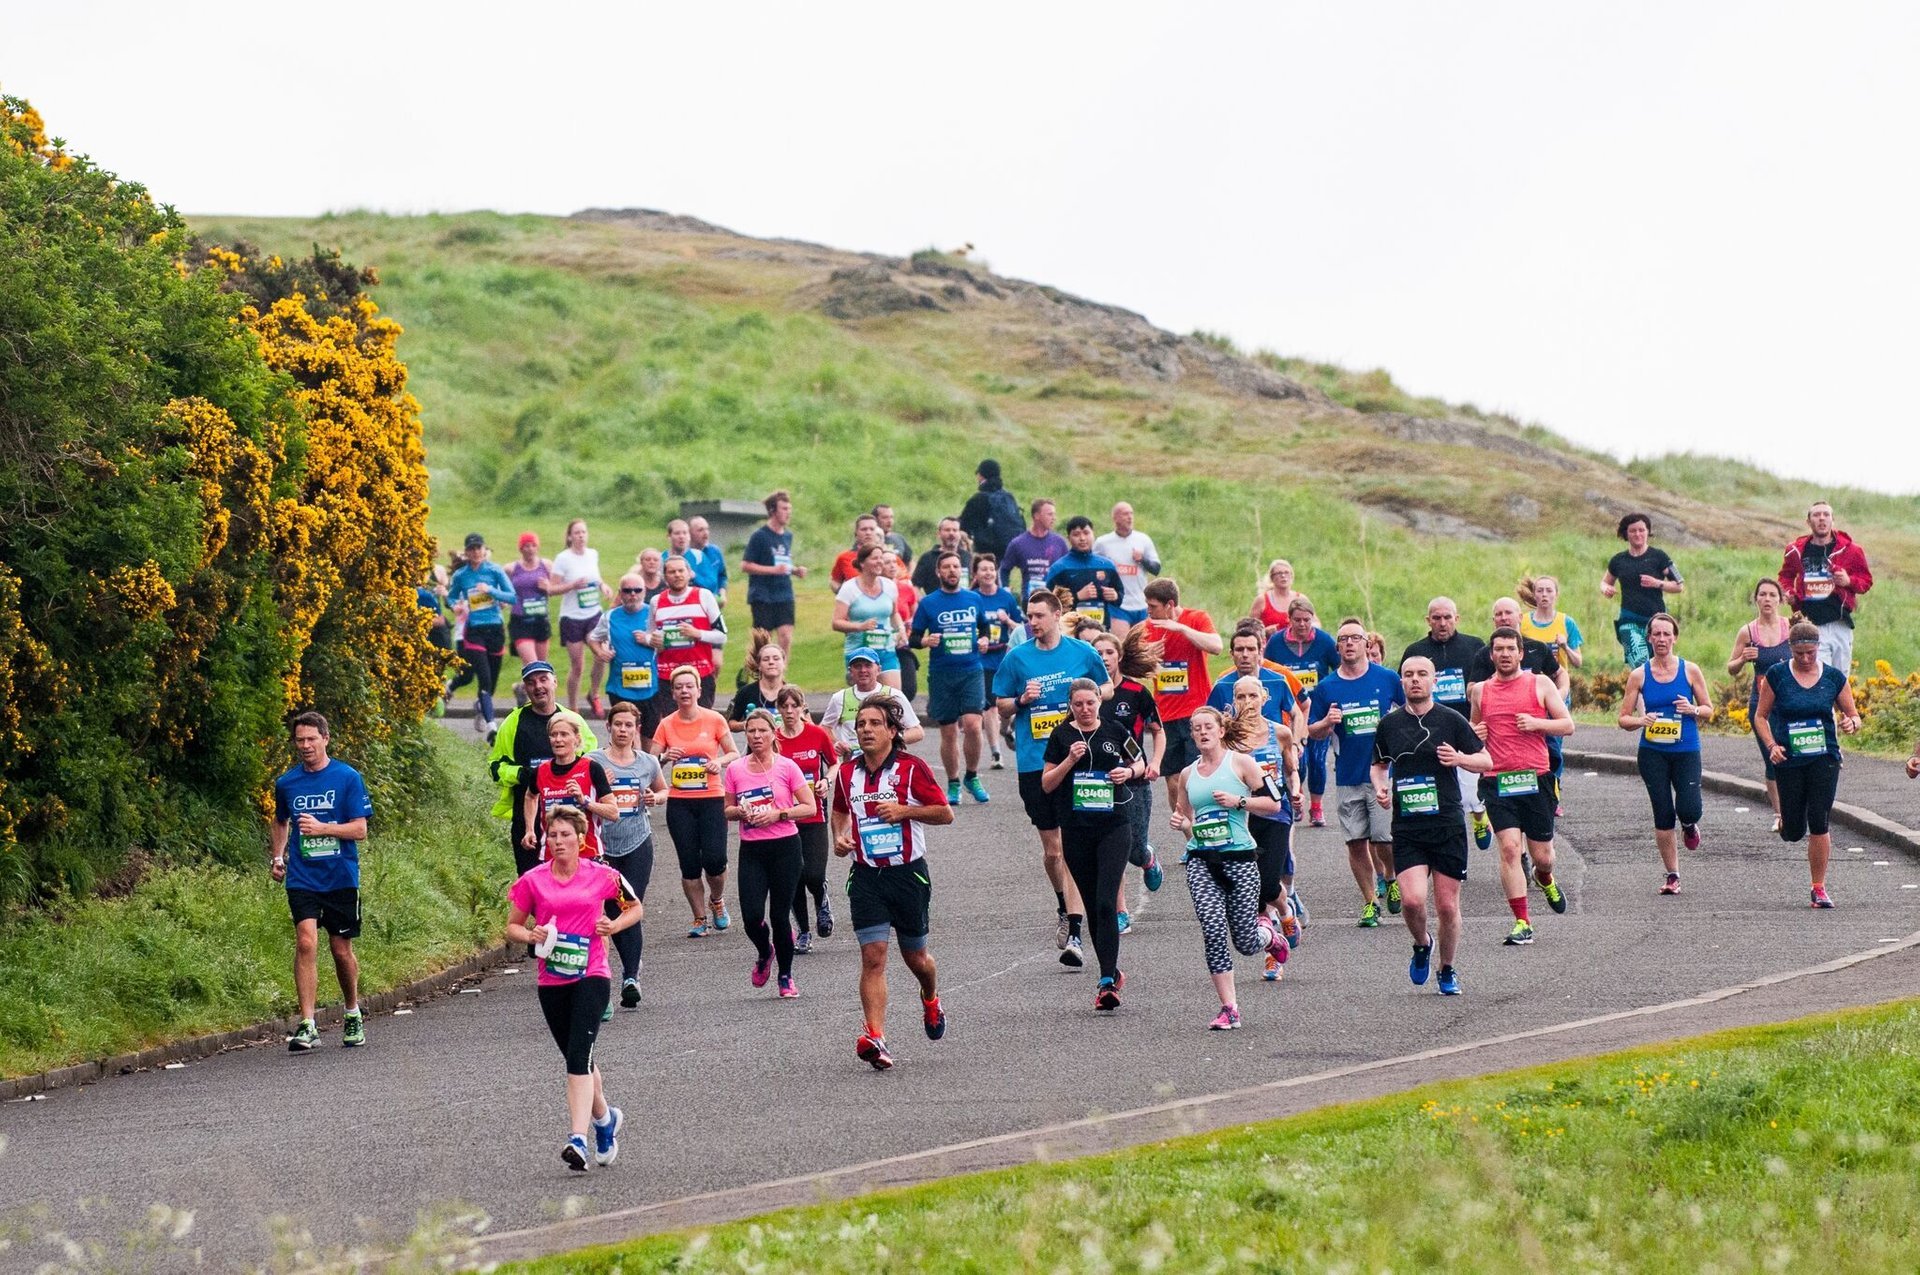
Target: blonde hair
<point>568,814</point>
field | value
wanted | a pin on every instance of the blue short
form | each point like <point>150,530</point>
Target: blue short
<point>1131,617</point>
<point>951,696</point>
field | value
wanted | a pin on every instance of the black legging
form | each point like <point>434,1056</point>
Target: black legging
<point>1097,857</point>
<point>698,826</point>
<point>769,873</point>
<point>814,848</point>
<point>480,650</point>
<point>573,1013</point>
<point>637,867</point>
<point>1673,785</point>
<point>1273,838</point>
<point>1806,797</point>
<point>909,673</point>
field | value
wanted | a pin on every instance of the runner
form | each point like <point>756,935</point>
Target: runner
<point>1092,580</point>
<point>624,639</point>
<point>866,534</point>
<point>708,560</point>
<point>478,588</point>
<point>1666,700</point>
<point>574,981</point>
<point>627,841</point>
<point>771,571</point>
<point>533,581</point>
<point>1349,703</point>
<point>949,622</point>
<point>582,590</point>
<point>320,813</point>
<point>694,746</point>
<point>884,799</point>
<point>1002,610</point>
<point>843,706</point>
<point>1271,604</point>
<point>1033,551</point>
<point>1308,651</point>
<point>926,576</point>
<point>1642,577</point>
<point>648,564</point>
<point>688,628</point>
<point>1211,800</point>
<point>521,745</point>
<point>1272,834</point>
<point>766,792</point>
<point>1825,572</point>
<point>991,516</point>
<point>864,610</point>
<point>1414,750</point>
<point>1515,712</point>
<point>567,779</point>
<point>1186,637</point>
<point>1795,722</point>
<point>883,514</point>
<point>1543,622</point>
<point>1762,642</point>
<point>768,661</point>
<point>1031,686</point>
<point>1452,653</point>
<point>1128,699</point>
<point>810,748</point>
<point>1136,556</point>
<point>1088,762</point>
<point>1377,647</point>
<point>1248,640</point>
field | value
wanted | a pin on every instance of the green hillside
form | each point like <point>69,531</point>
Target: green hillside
<point>612,365</point>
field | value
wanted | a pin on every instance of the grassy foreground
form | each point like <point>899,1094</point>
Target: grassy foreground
<point>1772,1148</point>
<point>210,947</point>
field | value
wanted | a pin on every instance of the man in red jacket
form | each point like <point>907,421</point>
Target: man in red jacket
<point>1825,573</point>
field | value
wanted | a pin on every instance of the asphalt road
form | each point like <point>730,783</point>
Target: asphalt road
<point>723,1085</point>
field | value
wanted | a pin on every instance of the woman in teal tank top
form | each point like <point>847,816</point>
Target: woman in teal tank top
<point>1212,802</point>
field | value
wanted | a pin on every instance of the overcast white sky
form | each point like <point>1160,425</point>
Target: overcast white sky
<point>1652,227</point>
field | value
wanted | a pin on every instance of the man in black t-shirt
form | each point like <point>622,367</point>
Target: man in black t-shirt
<point>1535,656</point>
<point>1452,654</point>
<point>771,571</point>
<point>1419,753</point>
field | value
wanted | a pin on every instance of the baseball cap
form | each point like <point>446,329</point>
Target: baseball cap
<point>475,540</point>
<point>857,656</point>
<point>528,538</point>
<point>537,666</point>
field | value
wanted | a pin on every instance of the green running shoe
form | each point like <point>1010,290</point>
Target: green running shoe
<point>1556,898</point>
<point>953,792</point>
<point>304,1037</point>
<point>1520,935</point>
<point>1370,916</point>
<point>353,1029</point>
<point>1393,897</point>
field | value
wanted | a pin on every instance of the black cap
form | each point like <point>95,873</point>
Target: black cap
<point>475,540</point>
<point>988,468</point>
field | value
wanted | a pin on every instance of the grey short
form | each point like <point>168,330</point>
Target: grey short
<point>1361,817</point>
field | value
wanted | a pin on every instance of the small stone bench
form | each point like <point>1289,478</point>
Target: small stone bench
<point>729,521</point>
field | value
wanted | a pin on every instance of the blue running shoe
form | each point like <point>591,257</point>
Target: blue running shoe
<point>1421,963</point>
<point>953,792</point>
<point>575,1153</point>
<point>606,1137</point>
<point>1153,872</point>
<point>976,789</point>
<point>1449,981</point>
<point>1126,922</point>
<point>720,918</point>
<point>1482,829</point>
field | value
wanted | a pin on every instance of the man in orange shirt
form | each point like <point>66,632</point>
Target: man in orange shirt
<point>1187,637</point>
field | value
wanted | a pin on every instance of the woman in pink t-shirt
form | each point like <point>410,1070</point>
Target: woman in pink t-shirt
<point>766,792</point>
<point>559,907</point>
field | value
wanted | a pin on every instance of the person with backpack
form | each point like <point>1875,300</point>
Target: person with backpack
<point>991,518</point>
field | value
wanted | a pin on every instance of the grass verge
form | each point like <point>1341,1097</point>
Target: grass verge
<point>1759,1149</point>
<point>209,947</point>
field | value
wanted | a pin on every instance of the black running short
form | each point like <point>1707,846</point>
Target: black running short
<point>1041,811</point>
<point>337,911</point>
<point>1443,849</point>
<point>1531,813</point>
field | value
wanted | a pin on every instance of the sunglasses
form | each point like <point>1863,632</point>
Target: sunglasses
<point>632,591</point>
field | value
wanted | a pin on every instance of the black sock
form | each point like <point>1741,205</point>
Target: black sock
<point>972,775</point>
<point>1073,924</point>
<point>1060,902</point>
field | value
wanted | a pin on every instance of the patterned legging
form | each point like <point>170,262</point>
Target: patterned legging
<point>1226,898</point>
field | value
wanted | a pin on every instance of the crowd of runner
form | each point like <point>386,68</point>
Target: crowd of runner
<point>1073,658</point>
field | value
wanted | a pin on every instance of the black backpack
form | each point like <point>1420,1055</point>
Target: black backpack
<point>1004,522</point>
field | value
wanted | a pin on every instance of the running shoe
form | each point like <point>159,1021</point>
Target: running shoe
<point>1819,898</point>
<point>606,1015</point>
<point>1186,857</point>
<point>1126,922</point>
<point>802,943</point>
<point>1272,972</point>
<point>1315,817</point>
<point>1370,915</point>
<point>1449,981</point>
<point>493,733</point>
<point>599,709</point>
<point>1556,897</point>
<point>1520,935</point>
<point>1672,885</point>
<point>953,792</point>
<point>977,789</point>
<point>1073,955</point>
<point>1153,872</point>
<point>606,1137</point>
<point>1290,926</point>
<point>1379,885</point>
<point>575,1153</point>
<point>1062,932</point>
<point>787,990</point>
<point>1277,946</point>
<point>1776,823</point>
<point>480,724</point>
<point>823,924</point>
<point>1482,829</point>
<point>872,1050</point>
<point>1421,964</point>
<point>304,1037</point>
<point>1690,835</point>
<point>1107,995</point>
<point>997,763</point>
<point>933,1018</point>
<point>1299,902</point>
<point>630,994</point>
<point>762,968</point>
<point>1393,897</point>
<point>353,1027</point>
<point>1226,1020</point>
<point>720,918</point>
<point>698,930</point>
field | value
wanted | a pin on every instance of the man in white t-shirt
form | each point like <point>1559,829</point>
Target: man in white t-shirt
<point>863,670</point>
<point>1134,553</point>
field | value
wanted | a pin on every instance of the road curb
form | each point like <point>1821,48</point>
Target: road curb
<point>195,1048</point>
<point>1858,818</point>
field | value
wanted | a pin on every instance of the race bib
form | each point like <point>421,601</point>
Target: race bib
<point>755,800</point>
<point>1095,611</point>
<point>1662,730</point>
<point>1418,795</point>
<point>1806,739</point>
<point>1092,793</point>
<point>957,643</point>
<point>678,637</point>
<point>636,677</point>
<point>1129,568</point>
<point>877,639</point>
<point>1041,725</point>
<point>688,776</point>
<point>318,847</point>
<point>1449,685</point>
<point>880,840</point>
<point>1269,760</point>
<point>480,598</point>
<point>534,605</point>
<point>1171,678</point>
<point>568,959</point>
<point>628,796</point>
<point>1817,582</point>
<point>588,598</point>
<point>1213,831</point>
<point>1516,783</point>
<point>1361,719</point>
<point>783,560</point>
<point>1309,677</point>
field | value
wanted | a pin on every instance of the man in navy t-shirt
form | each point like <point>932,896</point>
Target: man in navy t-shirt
<point>771,571</point>
<point>320,812</point>
<point>1307,649</point>
<point>1347,705</point>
